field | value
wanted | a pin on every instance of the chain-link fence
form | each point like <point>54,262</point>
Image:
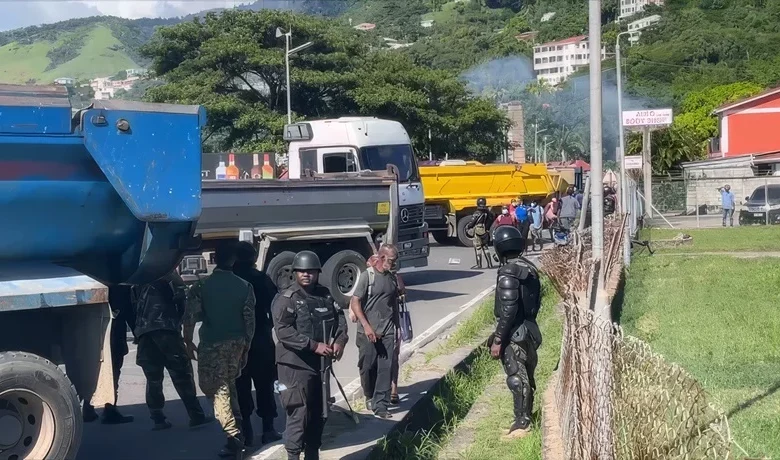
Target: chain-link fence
<point>616,398</point>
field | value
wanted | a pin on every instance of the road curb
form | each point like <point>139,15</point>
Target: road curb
<point>353,388</point>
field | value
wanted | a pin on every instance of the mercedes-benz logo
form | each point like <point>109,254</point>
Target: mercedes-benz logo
<point>404,215</point>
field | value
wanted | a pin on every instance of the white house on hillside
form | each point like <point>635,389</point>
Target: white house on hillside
<point>555,61</point>
<point>629,8</point>
<point>637,26</point>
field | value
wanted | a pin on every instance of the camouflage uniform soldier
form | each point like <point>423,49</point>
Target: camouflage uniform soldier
<point>226,305</point>
<point>479,226</point>
<point>159,311</point>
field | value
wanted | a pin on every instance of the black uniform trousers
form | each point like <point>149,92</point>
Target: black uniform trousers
<point>261,370</point>
<point>302,401</point>
<point>375,363</point>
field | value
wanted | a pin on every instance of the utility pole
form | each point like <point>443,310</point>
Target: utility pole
<point>536,141</point>
<point>287,37</point>
<point>647,171</point>
<point>621,155</point>
<point>596,156</point>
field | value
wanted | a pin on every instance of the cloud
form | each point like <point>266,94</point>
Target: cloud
<point>23,13</point>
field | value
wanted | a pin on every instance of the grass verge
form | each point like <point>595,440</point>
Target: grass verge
<point>467,332</point>
<point>489,443</point>
<point>736,239</point>
<point>717,316</point>
<point>453,397</point>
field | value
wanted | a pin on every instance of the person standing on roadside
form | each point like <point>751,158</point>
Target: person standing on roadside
<point>261,365</point>
<point>569,208</point>
<point>728,203</point>
<point>551,215</point>
<point>159,312</point>
<point>375,304</point>
<point>517,336</point>
<point>309,327</point>
<point>119,298</point>
<point>225,304</point>
<point>537,222</point>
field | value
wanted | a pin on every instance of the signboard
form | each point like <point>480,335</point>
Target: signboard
<point>649,117</point>
<point>632,162</point>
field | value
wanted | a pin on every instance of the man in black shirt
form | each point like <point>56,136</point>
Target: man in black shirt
<point>261,365</point>
<point>375,304</point>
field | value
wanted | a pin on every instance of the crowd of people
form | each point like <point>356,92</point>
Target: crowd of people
<point>239,308</point>
<point>529,216</point>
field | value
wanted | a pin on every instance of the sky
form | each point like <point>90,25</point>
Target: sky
<point>23,13</point>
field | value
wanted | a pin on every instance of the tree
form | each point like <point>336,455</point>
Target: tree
<point>233,64</point>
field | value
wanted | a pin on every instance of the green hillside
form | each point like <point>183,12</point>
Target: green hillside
<point>96,52</point>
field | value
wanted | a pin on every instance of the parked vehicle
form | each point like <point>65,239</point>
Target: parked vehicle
<point>352,144</point>
<point>762,206</point>
<point>452,188</point>
<point>105,196</point>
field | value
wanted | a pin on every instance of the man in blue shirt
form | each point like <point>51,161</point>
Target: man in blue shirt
<point>728,203</point>
<point>536,226</point>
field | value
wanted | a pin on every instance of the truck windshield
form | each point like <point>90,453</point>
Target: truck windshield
<point>377,157</point>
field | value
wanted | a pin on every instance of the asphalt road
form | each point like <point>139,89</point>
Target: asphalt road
<point>433,292</point>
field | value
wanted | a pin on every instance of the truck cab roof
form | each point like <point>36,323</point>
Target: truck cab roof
<point>354,131</point>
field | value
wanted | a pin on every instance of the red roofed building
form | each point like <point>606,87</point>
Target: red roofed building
<point>555,61</point>
<point>749,126</point>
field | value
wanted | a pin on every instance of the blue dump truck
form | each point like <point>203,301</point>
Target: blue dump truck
<point>110,194</point>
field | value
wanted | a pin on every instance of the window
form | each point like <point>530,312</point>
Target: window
<point>308,160</point>
<point>560,58</point>
<point>537,61</point>
<point>339,162</point>
<point>377,157</point>
<point>760,194</point>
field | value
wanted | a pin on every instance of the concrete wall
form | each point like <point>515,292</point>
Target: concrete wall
<point>516,134</point>
<point>703,183</point>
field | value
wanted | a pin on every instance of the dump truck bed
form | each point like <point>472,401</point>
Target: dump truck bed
<point>457,187</point>
<point>325,200</point>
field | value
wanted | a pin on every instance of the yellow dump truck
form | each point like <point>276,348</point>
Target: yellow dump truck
<point>452,187</point>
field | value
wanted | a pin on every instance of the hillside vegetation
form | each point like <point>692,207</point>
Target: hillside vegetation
<point>702,53</point>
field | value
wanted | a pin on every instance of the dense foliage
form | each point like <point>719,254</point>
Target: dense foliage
<point>702,53</point>
<point>233,64</point>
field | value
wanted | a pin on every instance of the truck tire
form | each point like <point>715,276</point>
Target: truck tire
<point>463,238</point>
<point>279,269</point>
<point>340,274</point>
<point>440,236</point>
<point>40,414</point>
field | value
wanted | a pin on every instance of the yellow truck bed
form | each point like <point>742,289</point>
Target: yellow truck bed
<point>451,192</point>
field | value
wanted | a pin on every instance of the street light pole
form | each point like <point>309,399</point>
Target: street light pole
<point>287,37</point>
<point>287,53</point>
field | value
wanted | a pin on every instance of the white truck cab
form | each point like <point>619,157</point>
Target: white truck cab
<point>352,144</point>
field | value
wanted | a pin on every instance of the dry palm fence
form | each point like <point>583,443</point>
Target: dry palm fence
<point>616,398</point>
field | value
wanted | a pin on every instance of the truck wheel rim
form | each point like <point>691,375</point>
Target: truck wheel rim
<point>347,278</point>
<point>27,428</point>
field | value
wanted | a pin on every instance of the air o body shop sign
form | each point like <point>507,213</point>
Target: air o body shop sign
<point>649,117</point>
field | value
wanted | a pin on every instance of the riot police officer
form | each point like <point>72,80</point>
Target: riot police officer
<point>517,336</point>
<point>479,225</point>
<point>309,326</point>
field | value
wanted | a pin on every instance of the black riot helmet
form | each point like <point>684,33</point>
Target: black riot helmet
<point>306,260</point>
<point>481,202</point>
<point>508,242</point>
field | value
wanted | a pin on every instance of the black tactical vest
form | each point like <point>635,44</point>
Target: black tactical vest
<point>314,315</point>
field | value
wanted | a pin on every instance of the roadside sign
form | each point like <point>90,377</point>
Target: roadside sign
<point>632,162</point>
<point>649,117</point>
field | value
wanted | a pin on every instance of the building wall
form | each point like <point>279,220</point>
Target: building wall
<point>703,184</point>
<point>752,129</point>
<point>629,8</point>
<point>554,63</point>
<point>516,134</point>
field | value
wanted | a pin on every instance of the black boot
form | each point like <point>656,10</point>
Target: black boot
<point>88,413</point>
<point>234,449</point>
<point>269,433</point>
<point>247,431</point>
<point>160,422</point>
<point>311,454</point>
<point>111,416</point>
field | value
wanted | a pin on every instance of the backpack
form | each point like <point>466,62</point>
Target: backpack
<point>521,213</point>
<point>372,277</point>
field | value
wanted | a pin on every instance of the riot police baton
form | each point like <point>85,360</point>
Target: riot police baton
<point>325,373</point>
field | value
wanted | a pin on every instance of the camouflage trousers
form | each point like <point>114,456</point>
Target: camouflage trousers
<point>160,350</point>
<point>219,364</point>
